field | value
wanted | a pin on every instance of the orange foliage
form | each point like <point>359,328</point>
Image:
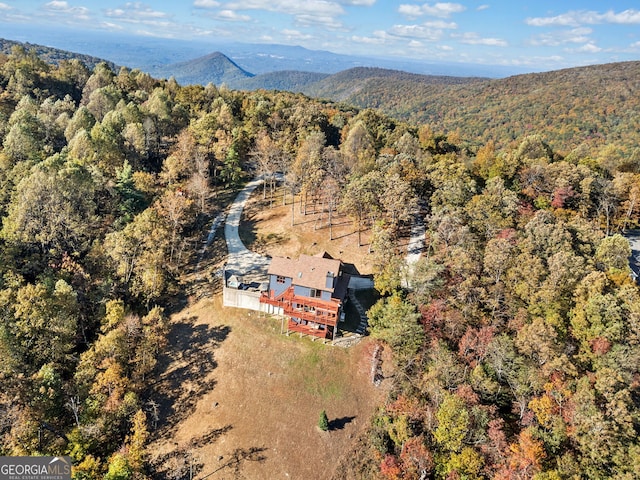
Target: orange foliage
<point>416,459</point>
<point>390,468</point>
<point>526,455</point>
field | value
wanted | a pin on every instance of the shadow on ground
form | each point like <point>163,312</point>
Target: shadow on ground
<point>235,461</point>
<point>186,363</point>
<point>339,423</point>
<point>184,461</point>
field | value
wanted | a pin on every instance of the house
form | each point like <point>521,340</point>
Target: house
<point>310,291</point>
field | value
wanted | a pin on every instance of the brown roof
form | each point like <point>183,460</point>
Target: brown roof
<point>306,271</point>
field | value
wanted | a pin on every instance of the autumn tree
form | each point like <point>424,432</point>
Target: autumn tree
<point>53,211</point>
<point>360,200</point>
<point>141,252</point>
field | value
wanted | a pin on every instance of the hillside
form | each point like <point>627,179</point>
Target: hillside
<point>569,107</point>
<point>53,55</point>
<point>214,68</point>
<point>358,82</point>
<point>593,105</point>
<point>289,80</point>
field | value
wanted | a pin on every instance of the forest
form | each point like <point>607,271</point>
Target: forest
<point>592,104</point>
<point>515,339</point>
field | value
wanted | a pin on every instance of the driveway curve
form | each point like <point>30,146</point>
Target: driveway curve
<point>240,259</point>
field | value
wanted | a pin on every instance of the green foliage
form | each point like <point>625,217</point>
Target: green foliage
<point>501,110</point>
<point>529,312</point>
<point>395,321</point>
<point>45,200</point>
<point>614,252</point>
<point>323,421</point>
<point>41,324</point>
<point>119,468</point>
<point>453,424</point>
<point>514,339</point>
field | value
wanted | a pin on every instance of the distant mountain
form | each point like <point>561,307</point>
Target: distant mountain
<point>54,55</point>
<point>366,81</point>
<point>214,68</point>
<point>287,80</point>
<point>567,107</point>
<point>598,103</point>
<point>147,53</point>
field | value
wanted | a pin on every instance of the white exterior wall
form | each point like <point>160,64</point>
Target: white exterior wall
<point>232,297</point>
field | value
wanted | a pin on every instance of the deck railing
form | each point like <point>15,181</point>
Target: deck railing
<point>308,330</point>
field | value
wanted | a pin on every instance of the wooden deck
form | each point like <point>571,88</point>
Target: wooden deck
<point>312,311</point>
<point>305,308</point>
<point>309,330</point>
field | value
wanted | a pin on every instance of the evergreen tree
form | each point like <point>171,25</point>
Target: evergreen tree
<point>323,421</point>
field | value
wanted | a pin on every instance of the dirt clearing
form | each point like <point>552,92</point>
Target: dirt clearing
<point>241,400</point>
<point>266,229</point>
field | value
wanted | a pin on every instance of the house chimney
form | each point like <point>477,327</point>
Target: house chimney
<point>329,283</point>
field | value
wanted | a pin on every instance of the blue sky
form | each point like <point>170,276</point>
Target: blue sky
<point>537,35</point>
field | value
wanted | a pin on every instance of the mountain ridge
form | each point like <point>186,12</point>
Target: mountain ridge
<point>54,55</point>
<point>216,68</point>
<point>569,106</point>
<point>145,53</point>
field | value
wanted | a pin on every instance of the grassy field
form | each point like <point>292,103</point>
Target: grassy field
<point>240,400</point>
<point>236,398</point>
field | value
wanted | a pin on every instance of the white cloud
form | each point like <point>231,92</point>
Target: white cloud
<point>292,7</point>
<point>308,13</point>
<point>62,8</point>
<point>576,18</point>
<point>57,5</point>
<point>111,26</point>
<point>4,6</point>
<point>206,4</point>
<point>589,48</point>
<point>441,24</point>
<point>411,11</point>
<point>554,39</point>
<point>155,23</point>
<point>140,13</point>
<point>482,7</point>
<point>296,35</point>
<point>416,31</point>
<point>358,3</point>
<point>321,20</point>
<point>635,45</point>
<point>232,16</point>
<point>379,38</point>
<point>440,10</point>
<point>135,11</point>
<point>155,34</point>
<point>472,38</point>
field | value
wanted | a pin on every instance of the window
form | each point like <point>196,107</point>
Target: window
<point>314,293</point>
<point>280,279</point>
